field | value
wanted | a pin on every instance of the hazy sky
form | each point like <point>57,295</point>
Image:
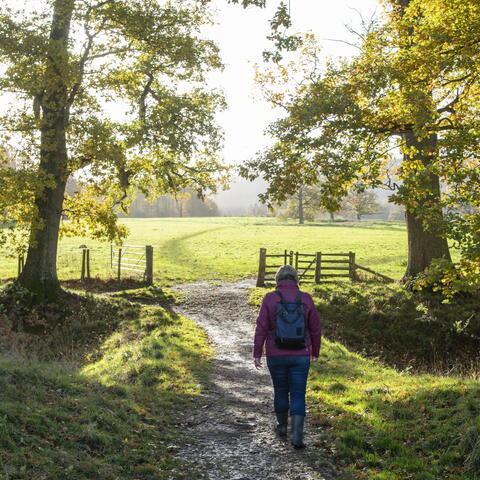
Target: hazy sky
<point>241,35</point>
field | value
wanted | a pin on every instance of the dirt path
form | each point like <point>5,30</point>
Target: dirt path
<point>232,434</point>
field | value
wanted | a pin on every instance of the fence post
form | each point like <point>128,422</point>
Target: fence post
<point>291,258</point>
<point>296,261</point>
<point>318,267</point>
<point>119,266</point>
<point>262,263</point>
<point>353,273</point>
<point>149,266</point>
<point>84,257</point>
<point>88,263</point>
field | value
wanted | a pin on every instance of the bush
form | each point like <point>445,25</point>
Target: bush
<point>448,280</point>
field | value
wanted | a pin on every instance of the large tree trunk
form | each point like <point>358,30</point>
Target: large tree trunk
<point>424,244</point>
<point>301,218</point>
<point>40,272</point>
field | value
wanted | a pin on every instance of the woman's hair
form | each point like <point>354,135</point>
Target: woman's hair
<point>287,272</point>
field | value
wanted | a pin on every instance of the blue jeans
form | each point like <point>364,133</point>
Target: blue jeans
<point>289,377</point>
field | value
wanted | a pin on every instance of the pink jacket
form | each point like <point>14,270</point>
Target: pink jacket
<point>266,323</point>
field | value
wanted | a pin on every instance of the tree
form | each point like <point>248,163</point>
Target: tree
<point>396,213</point>
<point>306,204</point>
<point>360,203</point>
<point>200,207</point>
<point>303,205</point>
<point>258,210</point>
<point>66,62</point>
<point>345,122</point>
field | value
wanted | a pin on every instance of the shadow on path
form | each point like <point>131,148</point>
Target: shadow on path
<point>231,432</point>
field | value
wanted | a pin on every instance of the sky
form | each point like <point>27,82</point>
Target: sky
<point>241,35</point>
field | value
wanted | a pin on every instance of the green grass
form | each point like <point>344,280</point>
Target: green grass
<point>392,424</point>
<point>402,328</point>
<point>98,397</point>
<point>188,249</point>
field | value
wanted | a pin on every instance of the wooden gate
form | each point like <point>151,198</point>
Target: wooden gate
<point>311,267</point>
<point>306,265</point>
<point>335,265</point>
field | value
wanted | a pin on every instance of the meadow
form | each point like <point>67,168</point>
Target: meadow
<point>225,247</point>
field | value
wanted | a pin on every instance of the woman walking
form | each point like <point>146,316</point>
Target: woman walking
<point>289,326</point>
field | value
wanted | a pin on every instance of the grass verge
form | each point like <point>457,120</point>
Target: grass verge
<point>404,329</point>
<point>98,396</point>
<point>391,424</point>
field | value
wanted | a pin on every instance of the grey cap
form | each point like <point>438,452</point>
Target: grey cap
<point>287,272</point>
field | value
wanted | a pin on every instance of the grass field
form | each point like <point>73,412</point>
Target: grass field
<point>221,247</point>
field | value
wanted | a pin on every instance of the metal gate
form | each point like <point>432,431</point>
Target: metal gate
<point>133,258</point>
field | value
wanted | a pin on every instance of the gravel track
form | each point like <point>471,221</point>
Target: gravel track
<point>231,433</point>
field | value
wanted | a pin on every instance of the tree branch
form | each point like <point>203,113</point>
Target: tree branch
<point>343,41</point>
<point>85,56</point>
<point>142,110</point>
<point>449,107</point>
<point>461,47</point>
<point>390,184</point>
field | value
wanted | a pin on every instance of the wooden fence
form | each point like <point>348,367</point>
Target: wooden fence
<point>85,269</point>
<point>85,263</point>
<point>311,267</point>
<point>133,258</point>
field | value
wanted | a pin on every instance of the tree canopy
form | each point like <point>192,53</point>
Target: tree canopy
<point>143,61</point>
<point>67,66</point>
<point>413,88</point>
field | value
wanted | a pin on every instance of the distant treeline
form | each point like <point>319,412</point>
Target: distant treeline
<point>186,204</point>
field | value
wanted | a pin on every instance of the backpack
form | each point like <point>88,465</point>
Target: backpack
<point>290,324</point>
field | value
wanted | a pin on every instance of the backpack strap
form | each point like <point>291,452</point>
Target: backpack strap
<point>298,299</point>
<point>280,295</point>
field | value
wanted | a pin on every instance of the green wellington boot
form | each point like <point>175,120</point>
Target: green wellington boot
<point>281,428</point>
<point>297,430</point>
